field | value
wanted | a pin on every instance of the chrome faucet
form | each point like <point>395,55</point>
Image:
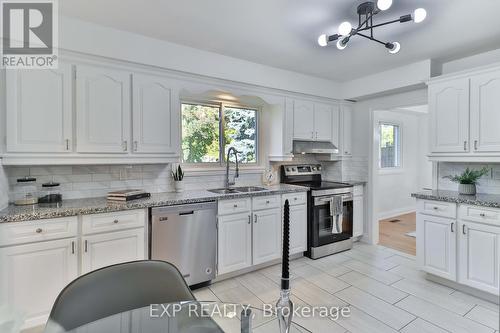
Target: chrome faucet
<point>237,172</point>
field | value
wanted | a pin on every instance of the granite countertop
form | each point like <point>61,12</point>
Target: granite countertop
<point>101,205</point>
<point>480,199</point>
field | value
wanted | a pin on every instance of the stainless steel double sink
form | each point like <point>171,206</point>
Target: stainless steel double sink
<point>233,190</point>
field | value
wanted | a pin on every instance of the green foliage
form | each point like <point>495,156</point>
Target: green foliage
<point>468,176</point>
<point>241,133</point>
<point>178,175</point>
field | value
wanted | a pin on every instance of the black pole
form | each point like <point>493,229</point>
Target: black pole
<point>285,274</point>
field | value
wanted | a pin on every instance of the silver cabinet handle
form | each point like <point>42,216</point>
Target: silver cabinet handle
<point>135,145</point>
<point>464,231</point>
<point>73,247</point>
<point>249,219</point>
<point>482,215</point>
<point>267,202</point>
<point>451,226</point>
<point>465,145</point>
<point>255,218</point>
<point>67,144</point>
<point>115,221</point>
<point>435,208</point>
<point>125,145</point>
<point>235,206</point>
<point>86,245</point>
<point>39,230</point>
<point>475,144</point>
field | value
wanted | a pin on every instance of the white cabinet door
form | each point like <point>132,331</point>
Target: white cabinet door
<point>266,235</point>
<point>436,245</point>
<point>336,125</point>
<point>303,120</point>
<point>102,110</point>
<point>39,110</point>
<point>234,242</point>
<point>31,276</point>
<point>153,115</point>
<point>346,130</point>
<point>112,248</point>
<point>479,256</point>
<point>484,112</point>
<point>449,116</point>
<point>298,229</point>
<point>323,114</point>
<point>358,216</point>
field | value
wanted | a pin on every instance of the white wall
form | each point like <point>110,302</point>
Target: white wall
<point>394,187</point>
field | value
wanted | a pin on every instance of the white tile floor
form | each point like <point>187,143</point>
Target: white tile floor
<point>382,287</point>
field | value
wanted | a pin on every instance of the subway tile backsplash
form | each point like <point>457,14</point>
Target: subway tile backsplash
<point>490,183</point>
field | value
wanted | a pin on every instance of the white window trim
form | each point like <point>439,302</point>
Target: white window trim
<point>392,170</point>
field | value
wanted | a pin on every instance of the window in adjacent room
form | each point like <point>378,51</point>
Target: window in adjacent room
<point>390,146</point>
<point>208,130</point>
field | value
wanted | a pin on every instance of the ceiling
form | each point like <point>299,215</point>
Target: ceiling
<point>283,33</point>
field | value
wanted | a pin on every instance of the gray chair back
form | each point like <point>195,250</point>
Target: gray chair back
<point>115,289</point>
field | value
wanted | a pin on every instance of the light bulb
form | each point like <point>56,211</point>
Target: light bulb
<point>323,40</point>
<point>395,47</point>
<point>419,15</point>
<point>341,45</point>
<point>345,28</point>
<point>384,4</point>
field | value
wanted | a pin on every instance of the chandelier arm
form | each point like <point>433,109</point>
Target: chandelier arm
<point>365,21</point>
<point>371,38</point>
<point>380,24</point>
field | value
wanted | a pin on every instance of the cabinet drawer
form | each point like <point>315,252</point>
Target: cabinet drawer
<point>437,208</point>
<point>36,231</point>
<point>358,190</point>
<point>294,198</point>
<point>271,201</point>
<point>479,214</point>
<point>96,223</point>
<point>234,206</point>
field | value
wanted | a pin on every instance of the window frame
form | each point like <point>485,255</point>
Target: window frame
<point>398,143</point>
<point>221,105</point>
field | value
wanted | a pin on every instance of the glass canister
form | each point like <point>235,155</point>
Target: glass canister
<point>51,193</point>
<point>25,191</point>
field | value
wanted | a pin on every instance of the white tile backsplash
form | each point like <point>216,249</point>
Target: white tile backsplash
<point>490,183</point>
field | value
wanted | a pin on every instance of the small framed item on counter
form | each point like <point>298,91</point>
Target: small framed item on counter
<point>51,193</point>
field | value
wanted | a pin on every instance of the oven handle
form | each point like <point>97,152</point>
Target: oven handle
<point>326,200</point>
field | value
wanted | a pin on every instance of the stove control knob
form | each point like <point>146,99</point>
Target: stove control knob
<point>314,168</point>
<point>293,169</point>
<point>319,168</point>
<point>288,169</point>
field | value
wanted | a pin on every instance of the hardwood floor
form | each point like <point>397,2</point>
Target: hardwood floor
<point>393,234</point>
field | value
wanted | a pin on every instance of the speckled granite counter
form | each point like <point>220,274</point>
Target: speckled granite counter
<point>101,205</point>
<point>480,199</point>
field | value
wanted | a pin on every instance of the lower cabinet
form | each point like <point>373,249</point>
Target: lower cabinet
<point>32,275</point>
<point>111,248</point>
<point>436,245</point>
<point>479,253</point>
<point>298,228</point>
<point>234,242</point>
<point>266,240</point>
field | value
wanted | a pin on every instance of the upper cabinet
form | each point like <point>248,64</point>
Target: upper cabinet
<point>464,117</point>
<point>345,147</point>
<point>153,118</point>
<point>102,110</point>
<point>39,117</point>
<point>315,121</point>
<point>303,120</point>
<point>449,102</point>
<point>323,117</point>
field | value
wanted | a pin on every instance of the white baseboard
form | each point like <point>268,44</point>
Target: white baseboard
<point>396,212</point>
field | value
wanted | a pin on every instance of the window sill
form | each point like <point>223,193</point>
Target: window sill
<point>212,171</point>
<point>391,171</point>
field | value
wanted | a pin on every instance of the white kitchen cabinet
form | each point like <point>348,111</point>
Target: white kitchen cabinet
<point>266,235</point>
<point>449,116</point>
<point>358,216</point>
<point>298,228</point>
<point>436,245</point>
<point>345,148</point>
<point>102,110</point>
<point>484,112</point>
<point>39,110</point>
<point>323,119</point>
<point>33,275</point>
<point>112,248</point>
<point>479,256</point>
<point>303,120</point>
<point>234,242</point>
<point>154,107</point>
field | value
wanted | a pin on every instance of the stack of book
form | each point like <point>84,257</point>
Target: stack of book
<point>127,195</point>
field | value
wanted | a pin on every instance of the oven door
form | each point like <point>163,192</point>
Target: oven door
<point>325,227</point>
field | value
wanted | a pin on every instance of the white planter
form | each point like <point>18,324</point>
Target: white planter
<point>467,189</point>
<point>179,186</point>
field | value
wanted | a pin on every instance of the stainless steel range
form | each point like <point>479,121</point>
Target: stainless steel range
<point>330,210</point>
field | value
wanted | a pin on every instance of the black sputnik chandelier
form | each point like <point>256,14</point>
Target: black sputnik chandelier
<point>366,12</point>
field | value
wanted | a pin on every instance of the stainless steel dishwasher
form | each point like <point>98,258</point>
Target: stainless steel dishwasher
<point>186,236</point>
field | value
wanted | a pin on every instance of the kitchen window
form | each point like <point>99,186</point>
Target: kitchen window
<point>390,146</point>
<point>208,130</point>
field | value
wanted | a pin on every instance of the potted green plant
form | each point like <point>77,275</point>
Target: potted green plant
<point>468,179</point>
<point>178,176</point>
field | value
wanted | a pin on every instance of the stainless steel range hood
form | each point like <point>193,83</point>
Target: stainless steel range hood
<point>317,147</point>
